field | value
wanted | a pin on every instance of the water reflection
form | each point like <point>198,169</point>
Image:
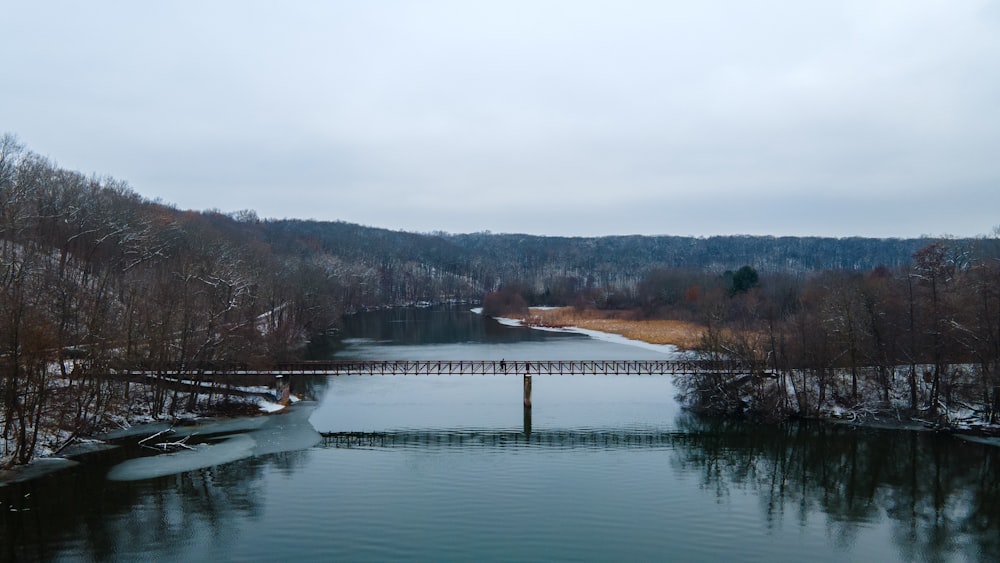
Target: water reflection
<point>487,438</point>
<point>941,495</point>
<point>82,515</point>
<point>939,498</point>
<point>167,505</point>
<point>437,325</point>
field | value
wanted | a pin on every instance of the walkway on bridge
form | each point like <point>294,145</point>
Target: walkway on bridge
<point>227,373</point>
<point>449,367</point>
<point>492,367</point>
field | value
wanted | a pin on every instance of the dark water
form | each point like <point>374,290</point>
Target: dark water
<point>453,468</point>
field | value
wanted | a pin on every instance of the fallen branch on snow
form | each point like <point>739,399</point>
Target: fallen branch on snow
<point>166,446</point>
<point>158,434</point>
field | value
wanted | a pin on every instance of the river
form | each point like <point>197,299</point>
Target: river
<point>453,468</point>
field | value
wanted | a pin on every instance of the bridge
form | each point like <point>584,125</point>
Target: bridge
<point>216,372</point>
<point>445,367</point>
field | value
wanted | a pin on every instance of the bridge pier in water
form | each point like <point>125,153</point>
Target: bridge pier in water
<point>527,390</point>
<point>282,389</point>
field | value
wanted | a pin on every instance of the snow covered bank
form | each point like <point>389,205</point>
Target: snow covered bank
<point>830,395</point>
<point>827,395</point>
<point>130,407</point>
<point>284,432</point>
<point>668,349</point>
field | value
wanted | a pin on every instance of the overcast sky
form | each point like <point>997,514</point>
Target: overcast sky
<point>869,118</point>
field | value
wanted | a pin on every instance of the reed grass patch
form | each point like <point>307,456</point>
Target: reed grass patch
<point>683,334</point>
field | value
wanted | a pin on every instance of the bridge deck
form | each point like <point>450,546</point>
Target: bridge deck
<point>452,367</point>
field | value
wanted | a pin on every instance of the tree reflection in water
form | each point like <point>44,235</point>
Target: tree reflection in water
<point>941,494</point>
<point>80,512</point>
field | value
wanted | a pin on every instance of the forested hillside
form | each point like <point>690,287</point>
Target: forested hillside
<point>92,276</point>
<point>113,273</point>
<point>615,267</point>
<point>399,267</point>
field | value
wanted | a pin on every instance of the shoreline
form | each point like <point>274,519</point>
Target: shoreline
<point>56,449</point>
<point>679,336</point>
<point>862,418</point>
<point>597,335</point>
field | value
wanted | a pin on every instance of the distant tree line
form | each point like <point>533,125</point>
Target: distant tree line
<point>555,269</point>
<point>400,267</point>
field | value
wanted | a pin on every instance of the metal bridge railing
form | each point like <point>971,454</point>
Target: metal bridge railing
<point>444,367</point>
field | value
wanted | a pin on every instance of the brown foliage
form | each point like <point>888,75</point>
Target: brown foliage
<point>684,335</point>
<point>505,303</point>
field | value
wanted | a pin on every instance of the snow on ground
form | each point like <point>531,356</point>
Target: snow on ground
<point>508,322</point>
<point>269,406</point>
<point>615,338</point>
<point>226,450</point>
<point>137,420</point>
<point>256,436</point>
<point>595,334</point>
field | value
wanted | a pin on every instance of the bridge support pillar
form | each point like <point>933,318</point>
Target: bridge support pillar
<point>282,389</point>
<point>527,390</point>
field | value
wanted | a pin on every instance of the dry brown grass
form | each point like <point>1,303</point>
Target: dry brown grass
<point>684,335</point>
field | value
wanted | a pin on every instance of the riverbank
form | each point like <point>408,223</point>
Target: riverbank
<point>683,335</point>
<point>770,397</point>
<point>55,436</point>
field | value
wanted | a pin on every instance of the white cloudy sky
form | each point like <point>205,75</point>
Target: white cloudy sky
<point>868,117</point>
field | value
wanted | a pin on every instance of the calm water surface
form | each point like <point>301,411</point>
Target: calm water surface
<point>453,468</point>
